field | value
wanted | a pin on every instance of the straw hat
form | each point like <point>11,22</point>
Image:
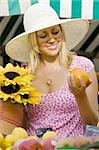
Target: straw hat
<point>40,16</point>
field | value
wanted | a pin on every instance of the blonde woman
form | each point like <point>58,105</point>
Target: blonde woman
<point>65,107</point>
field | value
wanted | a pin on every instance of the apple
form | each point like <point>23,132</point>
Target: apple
<point>27,144</point>
<point>30,144</point>
<point>49,144</point>
<point>17,143</point>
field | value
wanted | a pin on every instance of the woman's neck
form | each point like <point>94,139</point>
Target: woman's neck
<point>50,64</point>
<point>49,61</point>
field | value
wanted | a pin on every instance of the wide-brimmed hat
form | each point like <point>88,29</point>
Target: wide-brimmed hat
<point>40,16</point>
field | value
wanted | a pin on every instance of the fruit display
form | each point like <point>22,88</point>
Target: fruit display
<point>20,140</point>
<point>27,144</point>
<point>47,142</point>
<point>84,76</point>
<point>75,143</point>
<point>6,142</point>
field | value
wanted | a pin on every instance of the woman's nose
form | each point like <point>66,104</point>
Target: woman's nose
<point>51,38</point>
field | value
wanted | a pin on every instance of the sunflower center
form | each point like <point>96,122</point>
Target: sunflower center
<point>25,96</point>
<point>10,88</point>
<point>11,75</point>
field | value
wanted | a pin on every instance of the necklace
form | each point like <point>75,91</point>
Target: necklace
<point>49,83</point>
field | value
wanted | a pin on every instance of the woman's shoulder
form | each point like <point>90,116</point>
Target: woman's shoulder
<point>82,59</point>
<point>82,62</point>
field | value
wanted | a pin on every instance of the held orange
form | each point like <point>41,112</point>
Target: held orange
<point>84,76</point>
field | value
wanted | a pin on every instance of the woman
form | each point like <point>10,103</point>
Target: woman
<point>65,106</point>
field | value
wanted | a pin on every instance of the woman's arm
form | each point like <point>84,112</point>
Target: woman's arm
<point>87,98</point>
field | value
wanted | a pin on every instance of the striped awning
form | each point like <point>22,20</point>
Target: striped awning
<point>88,9</point>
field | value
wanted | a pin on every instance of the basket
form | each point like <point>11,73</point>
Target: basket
<point>11,116</point>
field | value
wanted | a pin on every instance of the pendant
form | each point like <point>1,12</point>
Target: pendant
<point>49,82</point>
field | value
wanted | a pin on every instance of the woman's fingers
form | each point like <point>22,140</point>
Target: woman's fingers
<point>76,86</point>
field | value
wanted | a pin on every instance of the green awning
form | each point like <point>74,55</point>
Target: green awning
<point>87,9</point>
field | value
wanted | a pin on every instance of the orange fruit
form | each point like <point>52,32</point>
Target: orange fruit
<point>84,76</point>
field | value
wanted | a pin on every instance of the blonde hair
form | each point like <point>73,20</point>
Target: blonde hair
<point>33,51</point>
<point>65,56</point>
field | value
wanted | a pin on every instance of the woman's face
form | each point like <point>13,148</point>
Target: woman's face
<point>50,40</point>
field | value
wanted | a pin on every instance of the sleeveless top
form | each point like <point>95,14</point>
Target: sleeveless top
<point>59,110</point>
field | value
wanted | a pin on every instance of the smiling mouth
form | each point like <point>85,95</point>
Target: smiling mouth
<point>52,47</point>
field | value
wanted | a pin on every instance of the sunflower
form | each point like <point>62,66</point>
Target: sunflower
<point>16,85</point>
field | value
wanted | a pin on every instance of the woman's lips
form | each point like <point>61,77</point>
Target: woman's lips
<point>52,47</point>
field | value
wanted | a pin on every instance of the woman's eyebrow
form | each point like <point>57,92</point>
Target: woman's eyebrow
<point>56,28</point>
<point>41,32</point>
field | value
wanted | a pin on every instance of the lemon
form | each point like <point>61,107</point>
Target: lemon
<point>20,133</point>
<point>9,141</point>
<point>50,134</point>
<point>1,138</point>
<point>1,148</point>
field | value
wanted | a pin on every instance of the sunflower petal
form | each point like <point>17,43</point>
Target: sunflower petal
<point>23,81</point>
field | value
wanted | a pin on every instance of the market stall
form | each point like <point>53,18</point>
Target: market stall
<point>87,9</point>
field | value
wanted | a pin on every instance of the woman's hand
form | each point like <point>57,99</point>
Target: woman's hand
<point>77,88</point>
<point>86,97</point>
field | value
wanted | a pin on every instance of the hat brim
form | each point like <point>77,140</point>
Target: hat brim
<point>75,29</point>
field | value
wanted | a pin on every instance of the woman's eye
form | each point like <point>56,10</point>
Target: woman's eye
<point>56,32</point>
<point>43,36</point>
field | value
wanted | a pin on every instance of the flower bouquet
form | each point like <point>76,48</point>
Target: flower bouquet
<point>16,91</point>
